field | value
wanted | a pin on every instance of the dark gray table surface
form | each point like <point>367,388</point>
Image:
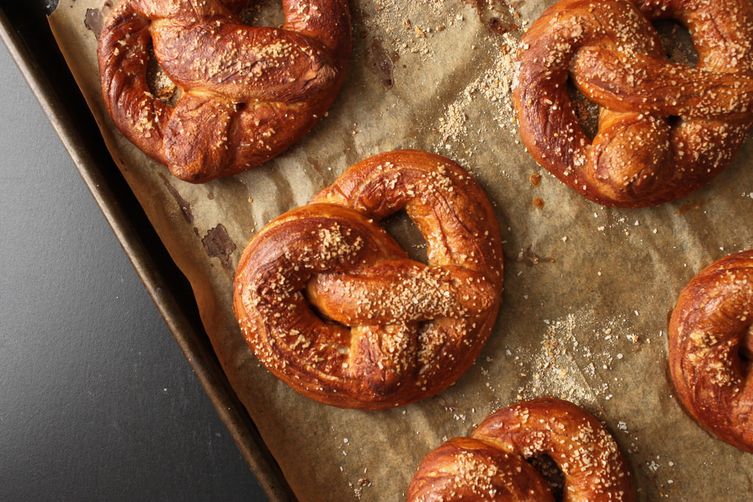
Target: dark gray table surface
<point>96,399</point>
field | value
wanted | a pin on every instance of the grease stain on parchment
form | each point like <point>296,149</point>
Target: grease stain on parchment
<point>93,21</point>
<point>218,244</point>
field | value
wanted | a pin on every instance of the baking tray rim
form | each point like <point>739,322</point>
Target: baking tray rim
<point>190,337</point>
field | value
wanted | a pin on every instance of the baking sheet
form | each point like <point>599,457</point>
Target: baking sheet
<point>587,290</point>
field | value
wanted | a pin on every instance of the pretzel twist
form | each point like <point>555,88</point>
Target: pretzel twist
<point>244,94</point>
<point>710,349</point>
<point>664,129</point>
<point>492,463</point>
<point>396,330</point>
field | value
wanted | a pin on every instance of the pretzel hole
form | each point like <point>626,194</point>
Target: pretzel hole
<point>315,310</point>
<point>745,350</point>
<point>677,42</point>
<point>744,354</point>
<point>159,83</point>
<point>407,234</point>
<point>552,474</point>
<point>262,13</point>
<point>586,110</point>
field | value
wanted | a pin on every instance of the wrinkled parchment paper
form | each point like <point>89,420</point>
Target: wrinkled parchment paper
<point>587,289</point>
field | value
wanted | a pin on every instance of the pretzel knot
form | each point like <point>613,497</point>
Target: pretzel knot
<point>333,306</point>
<point>236,95</point>
<point>711,348</point>
<point>493,463</point>
<point>664,129</point>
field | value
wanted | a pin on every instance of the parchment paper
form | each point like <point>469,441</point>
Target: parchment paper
<point>587,289</point>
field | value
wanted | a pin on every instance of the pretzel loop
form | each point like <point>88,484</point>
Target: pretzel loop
<point>244,93</point>
<point>402,329</point>
<point>664,129</point>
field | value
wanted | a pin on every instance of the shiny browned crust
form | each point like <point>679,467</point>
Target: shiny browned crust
<point>469,469</point>
<point>402,330</point>
<point>711,327</point>
<point>491,464</point>
<point>639,156</point>
<point>244,94</point>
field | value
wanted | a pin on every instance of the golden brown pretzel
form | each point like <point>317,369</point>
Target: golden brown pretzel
<point>710,348</point>
<point>244,94</point>
<point>491,464</point>
<point>664,129</point>
<point>395,330</point>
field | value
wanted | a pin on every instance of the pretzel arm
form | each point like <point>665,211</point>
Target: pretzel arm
<point>401,290</point>
<point>641,83</point>
<point>248,63</point>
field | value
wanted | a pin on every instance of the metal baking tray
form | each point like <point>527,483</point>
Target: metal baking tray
<point>25,31</point>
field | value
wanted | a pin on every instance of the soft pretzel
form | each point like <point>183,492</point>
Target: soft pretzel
<point>664,129</point>
<point>244,94</point>
<point>333,306</point>
<point>492,464</point>
<point>710,348</point>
